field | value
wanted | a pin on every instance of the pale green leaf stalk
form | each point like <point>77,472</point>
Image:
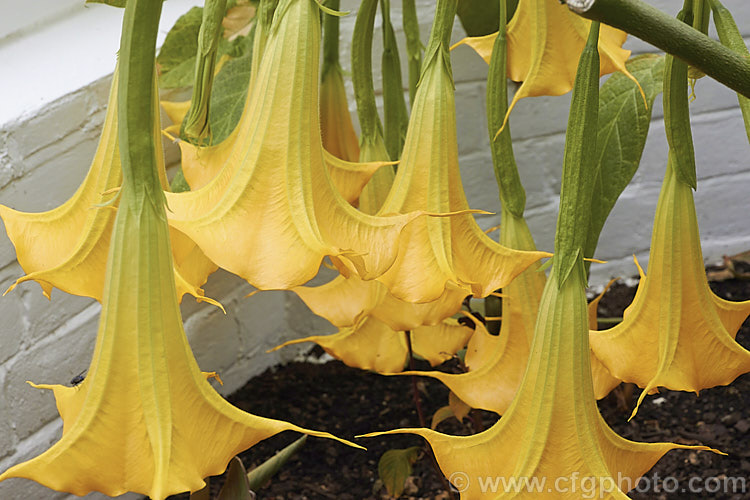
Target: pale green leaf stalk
<point>579,164</point>
<point>677,111</point>
<point>512,194</point>
<point>731,38</point>
<point>196,127</point>
<point>414,45</point>
<point>395,115</point>
<point>265,471</point>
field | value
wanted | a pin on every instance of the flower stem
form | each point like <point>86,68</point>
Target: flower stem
<point>675,37</point>
<point>135,104</point>
<point>330,38</point>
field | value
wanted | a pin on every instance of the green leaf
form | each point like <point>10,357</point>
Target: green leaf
<point>395,466</point>
<point>229,92</point>
<point>236,487</point>
<point>623,126</point>
<point>203,493</point>
<point>265,471</point>
<point>113,3</point>
<point>482,17</point>
<point>181,44</point>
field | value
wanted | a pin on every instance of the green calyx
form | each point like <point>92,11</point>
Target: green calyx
<point>196,126</point>
<point>579,164</point>
<point>395,115</point>
<point>364,89</point>
<point>135,103</point>
<point>512,194</point>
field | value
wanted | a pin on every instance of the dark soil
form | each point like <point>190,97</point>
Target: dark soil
<point>348,402</point>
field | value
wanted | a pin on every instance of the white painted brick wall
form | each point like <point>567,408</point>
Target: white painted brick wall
<point>48,133</point>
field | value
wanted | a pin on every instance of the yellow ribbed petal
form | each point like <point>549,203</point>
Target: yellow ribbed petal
<point>436,251</point>
<point>676,334</point>
<point>67,247</point>
<point>497,363</point>
<point>604,382</point>
<point>545,41</point>
<point>553,428</point>
<point>342,301</point>
<point>271,213</point>
<point>145,419</point>
<point>373,345</point>
<point>336,126</point>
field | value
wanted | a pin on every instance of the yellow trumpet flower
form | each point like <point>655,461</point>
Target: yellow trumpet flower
<point>67,247</point>
<point>201,164</point>
<point>553,428</point>
<point>497,363</point>
<point>545,41</point>
<point>436,251</point>
<point>676,334</point>
<point>336,126</point>
<point>373,345</point>
<point>271,213</point>
<point>145,419</point>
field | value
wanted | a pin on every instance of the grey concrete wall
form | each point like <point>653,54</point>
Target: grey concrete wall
<point>46,150</point>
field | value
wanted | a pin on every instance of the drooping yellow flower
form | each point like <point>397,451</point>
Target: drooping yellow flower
<point>436,251</point>
<point>145,419</point>
<point>553,428</point>
<point>67,247</point>
<point>676,334</point>
<point>373,345</point>
<point>336,126</point>
<point>271,213</point>
<point>545,41</point>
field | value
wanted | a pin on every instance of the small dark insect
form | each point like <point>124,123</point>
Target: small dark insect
<point>78,379</point>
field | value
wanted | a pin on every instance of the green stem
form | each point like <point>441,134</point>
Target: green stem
<point>579,163</point>
<point>413,45</point>
<point>364,89</point>
<point>657,28</point>
<point>512,194</point>
<point>196,127</point>
<point>701,15</point>
<point>395,115</point>
<point>442,26</point>
<point>135,102</point>
<point>330,38</point>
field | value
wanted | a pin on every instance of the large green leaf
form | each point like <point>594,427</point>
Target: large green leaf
<point>178,55</point>
<point>265,471</point>
<point>179,49</point>
<point>113,3</point>
<point>395,466</point>
<point>624,120</point>
<point>482,17</point>
<point>230,90</point>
